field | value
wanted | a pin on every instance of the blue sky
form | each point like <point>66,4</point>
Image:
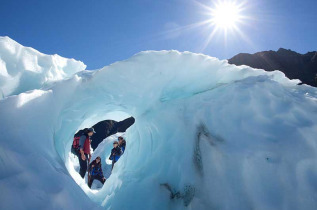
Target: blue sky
<point>100,32</point>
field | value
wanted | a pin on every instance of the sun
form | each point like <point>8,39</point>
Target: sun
<point>221,20</point>
<point>225,15</point>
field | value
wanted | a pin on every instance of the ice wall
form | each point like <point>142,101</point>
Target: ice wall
<point>24,68</point>
<point>208,135</point>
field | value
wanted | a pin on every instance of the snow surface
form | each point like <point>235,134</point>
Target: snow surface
<point>24,68</point>
<point>217,135</point>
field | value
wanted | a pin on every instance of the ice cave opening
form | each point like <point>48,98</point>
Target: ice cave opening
<point>107,131</point>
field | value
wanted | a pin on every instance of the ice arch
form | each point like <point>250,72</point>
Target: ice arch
<point>218,135</point>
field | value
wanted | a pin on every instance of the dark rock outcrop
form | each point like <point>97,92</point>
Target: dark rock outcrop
<point>293,64</point>
<point>107,128</point>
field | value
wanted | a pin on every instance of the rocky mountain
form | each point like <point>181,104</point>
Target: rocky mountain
<point>293,64</point>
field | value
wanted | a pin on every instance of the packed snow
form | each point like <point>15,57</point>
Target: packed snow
<point>24,68</point>
<point>208,135</point>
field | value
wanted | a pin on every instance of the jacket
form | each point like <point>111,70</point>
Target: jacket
<point>115,154</point>
<point>84,143</point>
<point>95,169</point>
<point>122,147</point>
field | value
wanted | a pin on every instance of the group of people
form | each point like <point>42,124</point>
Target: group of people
<point>81,148</point>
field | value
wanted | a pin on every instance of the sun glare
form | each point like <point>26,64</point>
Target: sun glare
<point>223,19</point>
<point>225,15</point>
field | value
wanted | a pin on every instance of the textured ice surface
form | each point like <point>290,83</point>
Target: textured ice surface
<point>24,68</point>
<point>224,137</point>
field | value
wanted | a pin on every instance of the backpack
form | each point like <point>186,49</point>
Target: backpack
<point>75,145</point>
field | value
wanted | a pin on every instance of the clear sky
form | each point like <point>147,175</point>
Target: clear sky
<point>100,32</point>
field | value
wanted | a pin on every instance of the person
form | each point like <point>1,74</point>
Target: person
<point>116,152</point>
<point>84,155</point>
<point>122,143</point>
<point>95,172</point>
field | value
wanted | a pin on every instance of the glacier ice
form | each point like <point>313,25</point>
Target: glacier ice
<point>24,68</point>
<point>224,137</point>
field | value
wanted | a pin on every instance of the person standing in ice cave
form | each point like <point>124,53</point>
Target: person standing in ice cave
<point>84,155</point>
<point>122,143</point>
<point>116,152</point>
<point>95,171</point>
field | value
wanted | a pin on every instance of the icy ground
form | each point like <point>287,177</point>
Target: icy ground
<point>208,135</point>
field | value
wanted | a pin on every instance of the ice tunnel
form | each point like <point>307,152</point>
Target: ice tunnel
<point>208,135</point>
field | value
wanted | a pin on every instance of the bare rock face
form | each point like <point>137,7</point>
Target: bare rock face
<point>109,127</point>
<point>293,64</point>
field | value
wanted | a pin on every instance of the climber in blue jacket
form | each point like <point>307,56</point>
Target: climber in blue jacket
<point>116,152</point>
<point>95,172</point>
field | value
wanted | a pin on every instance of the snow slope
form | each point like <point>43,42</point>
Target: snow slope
<point>217,135</point>
<point>24,68</point>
